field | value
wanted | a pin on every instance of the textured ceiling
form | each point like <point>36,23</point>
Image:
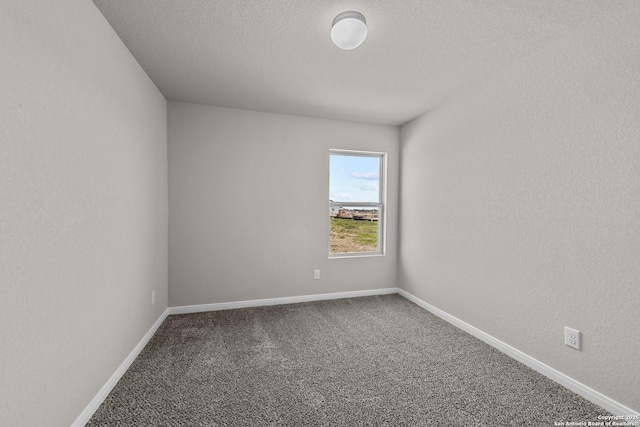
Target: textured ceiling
<point>276,55</point>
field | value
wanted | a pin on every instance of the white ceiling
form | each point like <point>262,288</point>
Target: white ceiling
<point>276,55</point>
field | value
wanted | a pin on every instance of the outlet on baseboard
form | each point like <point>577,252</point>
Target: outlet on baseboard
<point>153,297</point>
<point>572,337</point>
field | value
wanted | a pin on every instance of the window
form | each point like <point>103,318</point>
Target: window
<point>356,203</point>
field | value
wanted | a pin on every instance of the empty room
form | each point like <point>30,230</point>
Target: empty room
<point>322,213</point>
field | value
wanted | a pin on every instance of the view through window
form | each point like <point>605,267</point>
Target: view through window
<point>356,208</point>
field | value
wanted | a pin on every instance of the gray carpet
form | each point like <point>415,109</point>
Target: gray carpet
<point>380,361</point>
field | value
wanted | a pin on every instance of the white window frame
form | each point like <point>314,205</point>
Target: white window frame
<point>382,197</point>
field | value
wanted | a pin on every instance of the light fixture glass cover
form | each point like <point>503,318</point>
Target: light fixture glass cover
<point>348,30</point>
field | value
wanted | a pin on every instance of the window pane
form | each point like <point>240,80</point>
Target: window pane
<point>354,178</point>
<point>354,230</point>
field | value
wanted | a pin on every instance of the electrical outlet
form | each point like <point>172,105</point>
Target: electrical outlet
<point>153,297</point>
<point>316,274</point>
<point>572,337</point>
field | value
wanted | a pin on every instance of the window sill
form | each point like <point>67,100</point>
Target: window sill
<point>356,255</point>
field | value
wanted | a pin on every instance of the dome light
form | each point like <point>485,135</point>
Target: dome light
<point>348,30</point>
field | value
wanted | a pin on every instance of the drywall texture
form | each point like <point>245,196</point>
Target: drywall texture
<point>277,56</point>
<point>248,196</point>
<point>521,201</point>
<point>83,223</point>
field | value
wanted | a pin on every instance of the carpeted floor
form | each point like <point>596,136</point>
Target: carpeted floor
<point>379,361</point>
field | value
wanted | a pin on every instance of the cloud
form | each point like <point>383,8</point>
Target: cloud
<point>342,197</point>
<point>368,186</point>
<point>370,176</point>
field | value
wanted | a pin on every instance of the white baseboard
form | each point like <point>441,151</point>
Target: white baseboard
<point>588,393</point>
<point>95,403</point>
<point>277,301</point>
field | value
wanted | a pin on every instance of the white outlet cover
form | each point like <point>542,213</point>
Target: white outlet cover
<point>572,337</point>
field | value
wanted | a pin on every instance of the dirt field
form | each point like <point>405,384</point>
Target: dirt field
<point>352,236</point>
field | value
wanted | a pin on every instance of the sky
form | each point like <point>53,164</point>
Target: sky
<point>354,178</point>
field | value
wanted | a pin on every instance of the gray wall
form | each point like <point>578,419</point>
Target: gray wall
<point>521,202</point>
<point>83,217</point>
<point>248,195</point>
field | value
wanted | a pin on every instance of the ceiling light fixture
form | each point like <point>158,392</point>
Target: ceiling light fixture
<point>348,30</point>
